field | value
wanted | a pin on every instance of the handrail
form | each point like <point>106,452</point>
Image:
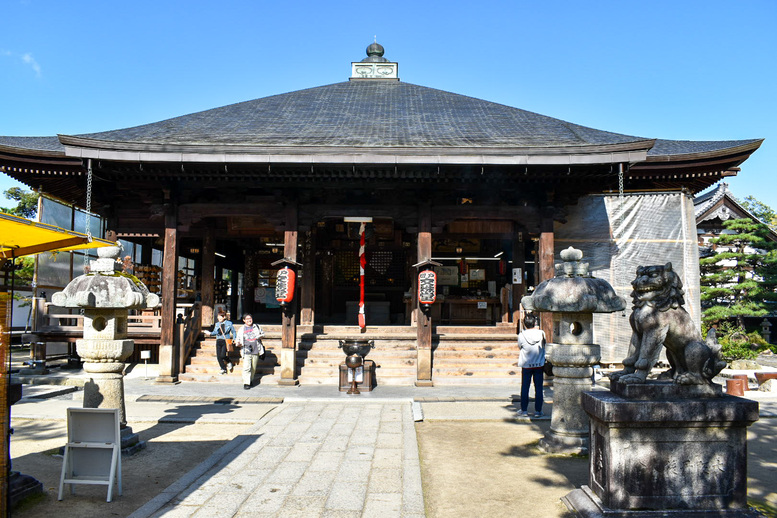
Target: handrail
<point>52,322</point>
<point>188,328</point>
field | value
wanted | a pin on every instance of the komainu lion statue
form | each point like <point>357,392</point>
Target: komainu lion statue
<point>658,318</point>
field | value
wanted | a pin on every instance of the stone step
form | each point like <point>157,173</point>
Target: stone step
<point>333,345</point>
<point>462,354</point>
<point>473,351</point>
<point>477,364</point>
<point>472,380</point>
<point>211,369</point>
<point>479,372</point>
<point>355,331</point>
<point>474,330</point>
<point>476,353</point>
<point>234,378</point>
<point>467,338</point>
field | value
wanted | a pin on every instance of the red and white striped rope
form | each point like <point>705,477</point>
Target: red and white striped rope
<point>362,264</point>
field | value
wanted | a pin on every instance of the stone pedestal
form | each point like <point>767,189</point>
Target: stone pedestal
<point>660,447</point>
<point>288,368</point>
<point>106,390</point>
<point>22,486</point>
<point>19,486</point>
<point>572,371</point>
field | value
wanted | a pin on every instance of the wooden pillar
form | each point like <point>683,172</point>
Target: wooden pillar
<point>547,269</point>
<point>413,259</point>
<point>249,281</point>
<point>146,251</point>
<point>424,318</point>
<point>289,319</point>
<point>208,283</point>
<point>308,284</point>
<point>168,352</point>
<point>235,289</point>
<point>519,288</point>
<point>5,403</point>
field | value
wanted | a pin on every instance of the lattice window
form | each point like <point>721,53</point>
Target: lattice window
<point>384,268</point>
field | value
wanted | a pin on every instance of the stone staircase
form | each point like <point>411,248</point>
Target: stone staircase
<point>462,355</point>
<point>203,366</point>
<point>394,354</point>
<point>475,355</point>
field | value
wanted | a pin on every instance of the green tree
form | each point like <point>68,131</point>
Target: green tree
<point>740,279</point>
<point>26,203</point>
<point>760,210</point>
<point>25,271</point>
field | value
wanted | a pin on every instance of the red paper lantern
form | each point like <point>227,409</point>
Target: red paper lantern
<point>284,285</point>
<point>427,287</point>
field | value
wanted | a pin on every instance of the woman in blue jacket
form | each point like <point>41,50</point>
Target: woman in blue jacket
<point>222,331</point>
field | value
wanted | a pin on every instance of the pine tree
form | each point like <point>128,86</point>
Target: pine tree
<point>26,203</point>
<point>760,210</point>
<point>740,280</point>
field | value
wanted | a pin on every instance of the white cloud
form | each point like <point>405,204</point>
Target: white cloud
<point>26,58</point>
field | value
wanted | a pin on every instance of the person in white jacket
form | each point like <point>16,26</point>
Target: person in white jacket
<point>249,338</point>
<point>531,360</point>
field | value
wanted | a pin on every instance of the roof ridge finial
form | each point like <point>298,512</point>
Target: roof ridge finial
<point>374,66</point>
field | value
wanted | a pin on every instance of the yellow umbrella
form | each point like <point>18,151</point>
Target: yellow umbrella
<point>19,237</point>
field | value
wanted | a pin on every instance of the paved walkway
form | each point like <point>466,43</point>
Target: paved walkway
<point>307,451</point>
<point>307,459</point>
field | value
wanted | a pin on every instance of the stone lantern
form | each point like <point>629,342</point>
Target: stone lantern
<point>573,296</point>
<point>106,294</point>
<point>766,330</point>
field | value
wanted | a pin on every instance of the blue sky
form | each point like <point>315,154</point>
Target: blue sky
<point>687,70</point>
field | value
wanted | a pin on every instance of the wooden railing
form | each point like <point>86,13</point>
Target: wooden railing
<point>60,326</point>
<point>187,329</point>
<point>136,324</point>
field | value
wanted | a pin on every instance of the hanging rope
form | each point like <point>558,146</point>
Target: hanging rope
<point>362,264</point>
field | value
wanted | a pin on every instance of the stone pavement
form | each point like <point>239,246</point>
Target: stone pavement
<point>308,459</point>
<point>306,451</point>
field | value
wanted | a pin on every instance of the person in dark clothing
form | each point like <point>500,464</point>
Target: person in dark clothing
<point>223,330</point>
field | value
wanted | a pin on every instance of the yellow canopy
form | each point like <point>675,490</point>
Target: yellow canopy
<point>19,237</point>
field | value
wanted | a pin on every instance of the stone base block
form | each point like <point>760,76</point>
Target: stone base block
<point>424,383</point>
<point>21,487</point>
<point>568,444</point>
<point>130,441</point>
<point>166,380</point>
<point>288,383</point>
<point>35,370</point>
<point>669,454</point>
<point>664,390</point>
<point>585,504</point>
<point>133,449</point>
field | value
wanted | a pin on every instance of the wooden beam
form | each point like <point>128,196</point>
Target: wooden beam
<point>208,281</point>
<point>308,284</point>
<point>46,247</point>
<point>289,318</point>
<point>168,355</point>
<point>424,317</point>
<point>5,409</point>
<point>547,269</point>
<point>519,289</point>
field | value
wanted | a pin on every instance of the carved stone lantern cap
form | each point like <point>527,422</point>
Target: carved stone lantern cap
<point>106,286</point>
<point>573,290</point>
